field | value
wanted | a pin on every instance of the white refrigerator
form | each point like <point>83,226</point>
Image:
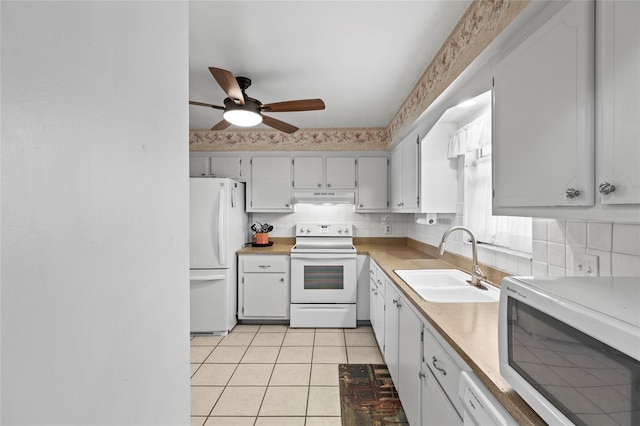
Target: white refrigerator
<point>218,228</point>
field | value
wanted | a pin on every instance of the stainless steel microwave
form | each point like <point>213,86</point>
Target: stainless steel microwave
<point>570,347</point>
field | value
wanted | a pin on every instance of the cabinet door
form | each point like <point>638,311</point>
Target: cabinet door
<point>362,301</point>
<point>372,184</point>
<point>198,166</point>
<point>372,305</point>
<point>438,173</point>
<point>380,318</point>
<point>271,183</point>
<point>619,80</point>
<point>265,296</point>
<point>410,174</point>
<point>396,179</point>
<point>341,172</point>
<point>226,167</point>
<point>543,147</point>
<point>436,407</point>
<point>308,173</point>
<point>409,361</point>
<point>391,323</point>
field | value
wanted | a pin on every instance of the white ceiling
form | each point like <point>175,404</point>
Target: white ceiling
<point>362,58</point>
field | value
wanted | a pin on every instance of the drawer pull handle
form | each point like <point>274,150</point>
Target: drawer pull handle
<point>264,266</point>
<point>434,360</point>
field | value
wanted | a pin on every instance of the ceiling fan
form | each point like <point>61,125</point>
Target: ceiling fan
<point>241,110</point>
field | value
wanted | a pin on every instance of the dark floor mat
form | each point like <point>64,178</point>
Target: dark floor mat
<point>368,397</point>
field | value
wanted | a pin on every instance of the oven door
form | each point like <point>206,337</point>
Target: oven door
<point>323,278</point>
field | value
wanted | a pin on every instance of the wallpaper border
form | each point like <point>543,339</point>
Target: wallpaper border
<point>483,21</point>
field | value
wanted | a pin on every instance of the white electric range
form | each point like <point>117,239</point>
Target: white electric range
<point>323,276</point>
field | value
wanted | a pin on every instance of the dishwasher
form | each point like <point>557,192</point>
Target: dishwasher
<point>480,407</point>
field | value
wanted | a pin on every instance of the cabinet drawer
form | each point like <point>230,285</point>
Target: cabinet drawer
<point>265,264</point>
<point>443,367</point>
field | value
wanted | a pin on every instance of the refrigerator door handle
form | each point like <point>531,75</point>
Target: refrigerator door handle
<point>208,278</point>
<point>233,197</point>
<point>221,253</point>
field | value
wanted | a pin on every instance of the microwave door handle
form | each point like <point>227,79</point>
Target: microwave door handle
<point>221,254</point>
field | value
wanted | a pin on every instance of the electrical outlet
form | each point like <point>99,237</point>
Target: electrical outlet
<point>585,265</point>
<point>387,228</point>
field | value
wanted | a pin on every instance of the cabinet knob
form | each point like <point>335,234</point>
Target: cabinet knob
<point>572,193</point>
<point>287,205</point>
<point>319,185</point>
<point>328,185</point>
<point>421,375</point>
<point>606,188</point>
<point>281,280</point>
<point>361,205</point>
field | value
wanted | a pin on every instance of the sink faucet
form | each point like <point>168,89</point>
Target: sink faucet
<point>476,274</point>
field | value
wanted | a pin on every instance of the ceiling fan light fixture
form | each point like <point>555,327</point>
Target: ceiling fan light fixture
<point>242,118</point>
<point>246,115</point>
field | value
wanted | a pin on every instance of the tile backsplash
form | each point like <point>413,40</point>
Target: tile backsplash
<point>364,224</point>
<point>556,241</point>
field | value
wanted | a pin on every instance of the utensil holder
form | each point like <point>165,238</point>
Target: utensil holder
<point>262,238</point>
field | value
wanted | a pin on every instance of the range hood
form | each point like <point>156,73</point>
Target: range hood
<point>324,197</point>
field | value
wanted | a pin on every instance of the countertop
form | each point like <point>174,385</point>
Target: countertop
<point>470,328</point>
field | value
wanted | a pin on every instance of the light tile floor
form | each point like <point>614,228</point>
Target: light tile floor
<point>264,375</point>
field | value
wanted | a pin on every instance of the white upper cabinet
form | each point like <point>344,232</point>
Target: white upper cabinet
<point>340,172</point>
<point>404,176</point>
<point>543,129</point>
<point>372,187</point>
<point>336,173</point>
<point>308,172</point>
<point>198,166</point>
<point>270,184</point>
<point>216,166</point>
<point>619,102</point>
<point>438,173</point>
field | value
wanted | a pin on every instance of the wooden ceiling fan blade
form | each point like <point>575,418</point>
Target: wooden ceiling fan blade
<point>229,84</point>
<point>221,125</point>
<point>279,125</point>
<point>299,105</point>
<point>205,105</point>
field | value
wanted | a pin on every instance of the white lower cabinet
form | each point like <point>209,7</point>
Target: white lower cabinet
<point>436,407</point>
<point>424,368</point>
<point>391,329</point>
<point>362,301</point>
<point>440,364</point>
<point>376,303</point>
<point>263,287</point>
<point>409,361</point>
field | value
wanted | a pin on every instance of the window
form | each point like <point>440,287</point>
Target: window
<point>473,141</point>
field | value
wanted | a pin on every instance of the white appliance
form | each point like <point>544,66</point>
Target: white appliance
<point>570,347</point>
<point>218,228</point>
<point>323,276</point>
<point>480,407</point>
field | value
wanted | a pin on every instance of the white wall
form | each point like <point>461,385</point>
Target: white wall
<point>94,257</point>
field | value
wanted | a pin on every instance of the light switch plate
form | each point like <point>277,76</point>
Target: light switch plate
<point>585,265</point>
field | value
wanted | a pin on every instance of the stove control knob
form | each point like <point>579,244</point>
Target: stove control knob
<point>340,230</point>
<point>346,230</point>
<point>308,230</point>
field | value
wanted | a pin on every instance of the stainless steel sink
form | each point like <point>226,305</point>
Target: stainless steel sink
<point>447,286</point>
